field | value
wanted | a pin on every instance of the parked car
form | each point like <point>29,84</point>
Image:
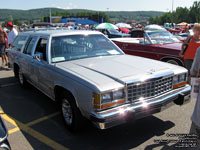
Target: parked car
<point>155,44</point>
<point>112,33</point>
<point>185,35</point>
<point>42,25</point>
<point>4,144</point>
<point>92,78</point>
<point>174,31</point>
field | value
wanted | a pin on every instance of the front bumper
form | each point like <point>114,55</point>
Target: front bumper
<point>119,115</point>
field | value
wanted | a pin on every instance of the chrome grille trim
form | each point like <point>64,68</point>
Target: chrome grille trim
<point>148,89</point>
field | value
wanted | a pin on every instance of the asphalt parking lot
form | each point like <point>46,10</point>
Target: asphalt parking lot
<point>35,123</point>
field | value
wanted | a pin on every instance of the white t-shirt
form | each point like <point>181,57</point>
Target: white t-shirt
<point>11,35</point>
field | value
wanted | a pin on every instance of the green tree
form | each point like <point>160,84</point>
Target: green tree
<point>181,14</point>
<point>17,22</point>
<point>194,13</point>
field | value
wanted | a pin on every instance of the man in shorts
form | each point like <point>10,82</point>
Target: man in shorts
<point>3,38</point>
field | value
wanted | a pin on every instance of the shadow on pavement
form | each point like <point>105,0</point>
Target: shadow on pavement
<point>26,105</point>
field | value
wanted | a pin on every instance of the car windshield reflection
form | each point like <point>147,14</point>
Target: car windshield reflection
<point>66,48</point>
<point>162,37</point>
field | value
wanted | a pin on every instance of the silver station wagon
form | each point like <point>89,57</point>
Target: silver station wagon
<point>92,78</point>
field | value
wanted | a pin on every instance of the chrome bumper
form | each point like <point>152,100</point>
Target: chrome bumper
<point>119,115</point>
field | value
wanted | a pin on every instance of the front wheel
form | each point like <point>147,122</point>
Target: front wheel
<point>70,112</point>
<point>174,62</point>
<point>21,78</point>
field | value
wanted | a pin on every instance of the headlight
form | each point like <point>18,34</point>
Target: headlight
<point>109,99</point>
<point>179,80</point>
<point>118,94</point>
<point>182,78</point>
<point>175,80</point>
<point>106,97</point>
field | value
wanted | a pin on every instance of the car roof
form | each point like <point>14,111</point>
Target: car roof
<point>58,32</point>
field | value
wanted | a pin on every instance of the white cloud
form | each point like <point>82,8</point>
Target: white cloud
<point>58,7</point>
<point>68,6</point>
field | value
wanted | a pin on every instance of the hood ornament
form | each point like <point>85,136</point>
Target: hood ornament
<point>151,71</point>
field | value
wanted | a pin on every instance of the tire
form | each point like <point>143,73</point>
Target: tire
<point>70,113</point>
<point>21,79</point>
<point>173,61</point>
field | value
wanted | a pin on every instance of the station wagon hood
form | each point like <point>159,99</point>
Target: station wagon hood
<point>121,68</point>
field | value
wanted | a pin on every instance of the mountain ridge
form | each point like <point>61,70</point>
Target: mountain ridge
<point>36,14</point>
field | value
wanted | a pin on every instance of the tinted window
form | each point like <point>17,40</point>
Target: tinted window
<point>29,46</point>
<point>18,43</point>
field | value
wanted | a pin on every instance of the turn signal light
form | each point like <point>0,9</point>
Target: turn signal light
<point>179,84</point>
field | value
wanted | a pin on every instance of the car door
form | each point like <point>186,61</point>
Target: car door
<point>26,59</point>
<point>42,68</point>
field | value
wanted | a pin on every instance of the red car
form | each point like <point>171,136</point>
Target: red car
<point>156,44</point>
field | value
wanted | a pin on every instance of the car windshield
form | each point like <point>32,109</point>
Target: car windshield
<point>113,31</point>
<point>162,37</point>
<point>72,47</point>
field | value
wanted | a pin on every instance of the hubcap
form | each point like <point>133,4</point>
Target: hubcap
<point>67,111</point>
<point>21,78</point>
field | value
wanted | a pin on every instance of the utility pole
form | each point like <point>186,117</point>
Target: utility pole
<point>172,12</point>
<point>50,15</point>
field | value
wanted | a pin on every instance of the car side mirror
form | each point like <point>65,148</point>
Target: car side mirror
<point>38,56</point>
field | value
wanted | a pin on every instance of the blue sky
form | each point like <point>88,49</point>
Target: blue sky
<point>101,5</point>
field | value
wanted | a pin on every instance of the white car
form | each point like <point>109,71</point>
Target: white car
<point>92,78</point>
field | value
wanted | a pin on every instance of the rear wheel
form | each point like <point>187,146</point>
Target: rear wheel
<point>70,112</point>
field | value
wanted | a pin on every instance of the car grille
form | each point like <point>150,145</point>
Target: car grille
<point>148,89</point>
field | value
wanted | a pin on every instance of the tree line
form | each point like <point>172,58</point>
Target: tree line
<point>181,14</point>
<point>96,16</point>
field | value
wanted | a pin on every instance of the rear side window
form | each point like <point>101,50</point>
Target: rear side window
<point>19,43</point>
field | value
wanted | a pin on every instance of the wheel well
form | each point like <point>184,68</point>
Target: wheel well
<point>58,90</point>
<point>16,68</point>
<point>175,59</point>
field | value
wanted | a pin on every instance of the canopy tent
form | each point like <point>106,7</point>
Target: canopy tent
<point>79,21</point>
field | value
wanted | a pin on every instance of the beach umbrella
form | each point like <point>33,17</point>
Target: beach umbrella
<point>125,30</point>
<point>123,25</point>
<point>154,27</point>
<point>106,26</point>
<point>182,24</point>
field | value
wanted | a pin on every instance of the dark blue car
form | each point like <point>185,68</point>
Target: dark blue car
<point>112,33</point>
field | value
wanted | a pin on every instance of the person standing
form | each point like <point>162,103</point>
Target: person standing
<point>190,46</point>
<point>3,38</point>
<point>12,34</point>
<point>195,72</point>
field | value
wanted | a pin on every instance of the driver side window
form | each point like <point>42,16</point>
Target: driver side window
<point>41,48</point>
